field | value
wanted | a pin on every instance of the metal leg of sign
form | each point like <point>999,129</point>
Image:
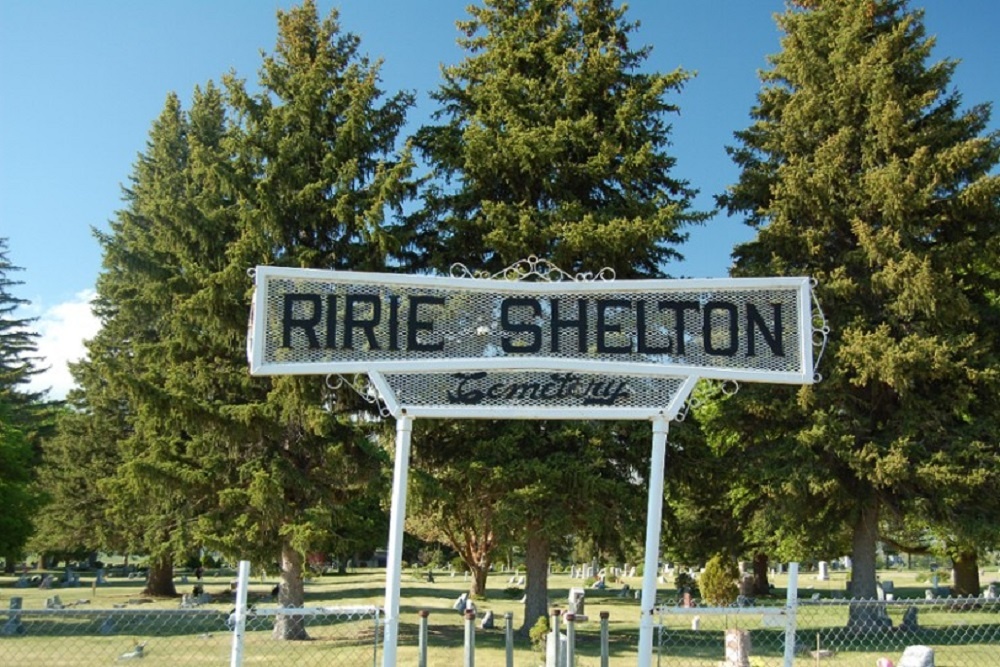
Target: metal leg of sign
<point>394,557</point>
<point>654,514</point>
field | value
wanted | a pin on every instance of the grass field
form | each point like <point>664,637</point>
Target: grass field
<point>81,637</point>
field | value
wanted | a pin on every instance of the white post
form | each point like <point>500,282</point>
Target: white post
<point>654,515</point>
<point>240,626</point>
<point>394,557</point>
<point>791,612</point>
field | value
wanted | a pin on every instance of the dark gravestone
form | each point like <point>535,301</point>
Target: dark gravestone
<point>909,623</point>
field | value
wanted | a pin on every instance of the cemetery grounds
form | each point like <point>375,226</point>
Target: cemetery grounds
<point>964,635</point>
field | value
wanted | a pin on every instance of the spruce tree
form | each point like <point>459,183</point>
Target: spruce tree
<point>317,179</point>
<point>551,142</point>
<point>863,170</point>
<point>26,415</point>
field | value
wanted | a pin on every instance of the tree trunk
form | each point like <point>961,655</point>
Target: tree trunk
<point>966,564</point>
<point>10,563</point>
<point>477,588</point>
<point>536,562</point>
<point>291,593</point>
<point>863,555</point>
<point>161,578</point>
<point>866,614</point>
<point>761,586</point>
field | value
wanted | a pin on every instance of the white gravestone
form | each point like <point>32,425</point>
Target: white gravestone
<point>917,656</point>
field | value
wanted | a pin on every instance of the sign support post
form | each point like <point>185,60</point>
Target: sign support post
<point>654,515</point>
<point>394,556</point>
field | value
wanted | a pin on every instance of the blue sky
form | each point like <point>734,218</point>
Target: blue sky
<point>81,82</point>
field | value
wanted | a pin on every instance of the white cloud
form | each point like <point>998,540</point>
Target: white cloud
<point>62,330</point>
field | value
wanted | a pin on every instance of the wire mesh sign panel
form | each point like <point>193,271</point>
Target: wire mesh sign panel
<point>306,321</point>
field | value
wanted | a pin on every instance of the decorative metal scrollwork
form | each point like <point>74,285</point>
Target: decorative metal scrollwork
<point>820,333</point>
<point>714,389</point>
<point>362,386</point>
<point>533,268</point>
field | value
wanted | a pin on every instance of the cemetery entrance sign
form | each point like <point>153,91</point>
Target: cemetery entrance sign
<point>531,342</point>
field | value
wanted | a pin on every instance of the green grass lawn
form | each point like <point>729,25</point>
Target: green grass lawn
<point>204,639</point>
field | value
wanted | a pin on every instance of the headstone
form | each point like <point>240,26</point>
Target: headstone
<point>22,582</point>
<point>737,648</point>
<point>13,626</point>
<point>746,585</point>
<point>46,582</point>
<point>576,601</point>
<point>487,622</point>
<point>917,656</point>
<point>909,623</point>
<point>459,605</point>
<point>101,580</point>
<point>625,591</point>
<point>631,571</point>
<point>824,571</point>
<point>54,603</point>
<point>992,591</point>
<point>886,590</point>
<point>696,623</point>
<point>550,650</point>
<point>520,581</point>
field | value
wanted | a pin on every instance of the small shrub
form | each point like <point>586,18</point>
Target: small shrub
<point>683,581</point>
<point>513,592</point>
<point>539,631</point>
<point>718,583</point>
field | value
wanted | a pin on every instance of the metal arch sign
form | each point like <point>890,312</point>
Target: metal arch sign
<point>485,347</point>
<point>307,321</point>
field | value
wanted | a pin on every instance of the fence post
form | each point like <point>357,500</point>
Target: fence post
<point>605,651</point>
<point>509,632</point>
<point>570,639</point>
<point>240,625</point>
<point>555,638</point>
<point>422,639</point>
<point>791,611</point>
<point>470,638</point>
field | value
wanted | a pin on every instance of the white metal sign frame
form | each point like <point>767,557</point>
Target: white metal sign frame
<point>520,345</point>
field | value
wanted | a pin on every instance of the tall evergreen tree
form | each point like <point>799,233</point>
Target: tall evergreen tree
<point>552,143</point>
<point>317,178</point>
<point>26,415</point>
<point>863,170</point>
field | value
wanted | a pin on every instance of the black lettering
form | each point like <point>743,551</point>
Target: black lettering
<point>394,323</point>
<point>415,324</point>
<point>604,328</point>
<point>331,321</point>
<point>580,324</point>
<point>641,332</point>
<point>678,307</point>
<point>367,326</point>
<point>775,338</point>
<point>307,324</point>
<point>509,345</point>
<point>733,328</point>
<point>462,393</point>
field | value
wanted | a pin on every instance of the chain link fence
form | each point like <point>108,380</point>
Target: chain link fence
<point>963,632</point>
<point>179,637</point>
